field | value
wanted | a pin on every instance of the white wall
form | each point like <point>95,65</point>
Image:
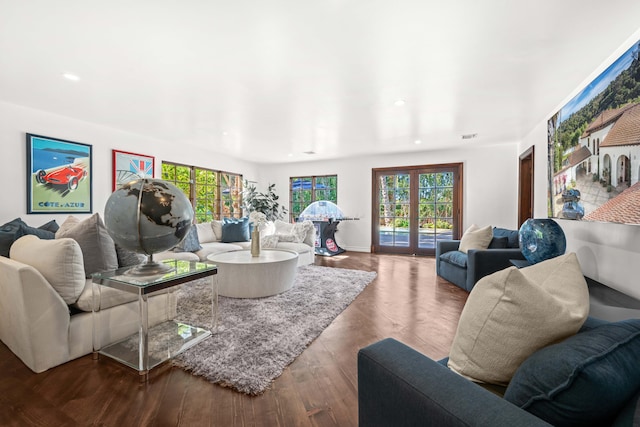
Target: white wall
<point>16,121</point>
<point>489,179</point>
<point>608,253</point>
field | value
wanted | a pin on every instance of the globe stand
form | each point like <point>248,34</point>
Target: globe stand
<point>150,268</point>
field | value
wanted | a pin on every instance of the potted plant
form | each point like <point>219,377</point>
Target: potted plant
<point>266,203</point>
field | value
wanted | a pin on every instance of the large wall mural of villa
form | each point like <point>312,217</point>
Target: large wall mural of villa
<point>594,148</point>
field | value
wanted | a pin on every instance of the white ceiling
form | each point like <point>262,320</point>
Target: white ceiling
<point>269,80</point>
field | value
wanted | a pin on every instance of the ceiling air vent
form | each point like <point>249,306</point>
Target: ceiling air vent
<point>309,152</point>
<point>469,136</point>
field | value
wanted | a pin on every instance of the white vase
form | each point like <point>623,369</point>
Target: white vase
<point>255,242</point>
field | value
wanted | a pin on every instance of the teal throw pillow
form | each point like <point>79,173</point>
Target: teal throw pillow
<point>235,230</point>
<point>584,380</point>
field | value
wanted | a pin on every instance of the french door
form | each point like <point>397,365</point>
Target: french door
<point>415,206</point>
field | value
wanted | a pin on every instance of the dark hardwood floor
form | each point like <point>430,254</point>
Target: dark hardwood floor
<point>407,301</point>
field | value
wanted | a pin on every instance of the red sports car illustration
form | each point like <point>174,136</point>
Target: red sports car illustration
<point>70,175</point>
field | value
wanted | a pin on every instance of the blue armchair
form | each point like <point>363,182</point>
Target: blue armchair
<point>464,270</point>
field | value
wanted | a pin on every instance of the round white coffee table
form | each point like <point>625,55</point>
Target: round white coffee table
<point>241,275</point>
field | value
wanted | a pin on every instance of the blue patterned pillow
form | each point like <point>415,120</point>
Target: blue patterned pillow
<point>190,243</point>
<point>584,380</point>
<point>235,230</point>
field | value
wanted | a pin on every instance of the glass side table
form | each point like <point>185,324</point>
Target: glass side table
<point>166,339</point>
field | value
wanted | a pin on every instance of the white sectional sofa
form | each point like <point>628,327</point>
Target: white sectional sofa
<point>299,237</point>
<point>46,298</point>
<point>46,293</point>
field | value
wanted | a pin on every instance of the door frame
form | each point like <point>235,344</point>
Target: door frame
<point>526,169</point>
<point>456,168</point>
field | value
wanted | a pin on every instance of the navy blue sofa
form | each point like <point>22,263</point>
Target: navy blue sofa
<point>464,270</point>
<point>398,386</point>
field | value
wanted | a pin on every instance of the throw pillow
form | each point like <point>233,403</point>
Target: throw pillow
<point>514,312</point>
<point>286,238</point>
<point>282,227</point>
<point>98,248</point>
<point>511,235</point>
<point>217,229</point>
<point>50,226</point>
<point>13,230</point>
<point>205,233</point>
<point>127,258</point>
<point>476,238</point>
<point>269,242</point>
<point>67,225</point>
<point>190,242</point>
<point>9,233</point>
<point>499,242</point>
<point>300,230</point>
<point>59,261</point>
<point>585,380</point>
<point>235,230</point>
<point>310,239</point>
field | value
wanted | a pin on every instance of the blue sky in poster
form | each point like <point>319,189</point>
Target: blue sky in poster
<point>48,153</point>
<point>599,84</point>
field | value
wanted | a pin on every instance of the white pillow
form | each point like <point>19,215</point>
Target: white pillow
<point>59,261</point>
<point>282,227</point>
<point>476,238</point>
<point>267,229</point>
<point>269,242</point>
<point>217,229</point>
<point>205,232</point>
<point>513,313</point>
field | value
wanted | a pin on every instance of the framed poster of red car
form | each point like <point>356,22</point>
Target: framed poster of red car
<point>58,176</point>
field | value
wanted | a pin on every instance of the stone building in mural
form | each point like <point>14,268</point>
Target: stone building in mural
<point>608,152</point>
<point>613,139</point>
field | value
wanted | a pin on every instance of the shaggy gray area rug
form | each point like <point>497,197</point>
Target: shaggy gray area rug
<point>258,338</point>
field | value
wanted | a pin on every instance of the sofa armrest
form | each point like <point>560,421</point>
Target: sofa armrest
<point>444,246</point>
<point>398,386</point>
<point>34,319</point>
<point>481,263</point>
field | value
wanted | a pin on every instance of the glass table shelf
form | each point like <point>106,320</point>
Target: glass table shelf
<point>154,344</point>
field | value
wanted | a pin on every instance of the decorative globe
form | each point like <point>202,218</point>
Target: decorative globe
<point>541,239</point>
<point>148,216</point>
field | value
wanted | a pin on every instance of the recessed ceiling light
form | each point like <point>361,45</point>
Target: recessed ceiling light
<point>469,136</point>
<point>399,102</point>
<point>71,77</point>
<point>290,155</point>
<point>417,142</point>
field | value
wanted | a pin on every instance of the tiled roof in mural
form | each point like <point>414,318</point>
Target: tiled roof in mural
<point>604,119</point>
<point>626,131</point>
<point>622,208</point>
<point>579,156</point>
